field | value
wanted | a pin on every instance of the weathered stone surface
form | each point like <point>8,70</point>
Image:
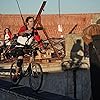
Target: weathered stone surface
<point>63,83</point>
<point>50,23</point>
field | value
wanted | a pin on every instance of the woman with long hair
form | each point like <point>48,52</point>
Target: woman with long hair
<point>7,36</point>
<point>7,41</point>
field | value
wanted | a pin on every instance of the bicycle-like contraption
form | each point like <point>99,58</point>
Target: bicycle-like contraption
<point>32,70</point>
<point>70,64</point>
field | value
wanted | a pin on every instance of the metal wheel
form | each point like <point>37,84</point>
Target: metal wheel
<point>36,77</point>
<point>12,74</point>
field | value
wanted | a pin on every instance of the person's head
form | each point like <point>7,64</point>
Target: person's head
<point>7,30</point>
<point>78,41</point>
<point>30,21</point>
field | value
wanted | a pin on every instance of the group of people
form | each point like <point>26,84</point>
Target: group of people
<point>25,36</point>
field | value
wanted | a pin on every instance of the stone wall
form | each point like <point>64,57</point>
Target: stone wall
<point>50,23</point>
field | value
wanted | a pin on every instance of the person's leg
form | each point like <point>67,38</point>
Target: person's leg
<point>19,64</point>
<point>31,55</point>
<point>20,55</point>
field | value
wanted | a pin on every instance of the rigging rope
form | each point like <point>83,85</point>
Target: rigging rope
<point>20,12</point>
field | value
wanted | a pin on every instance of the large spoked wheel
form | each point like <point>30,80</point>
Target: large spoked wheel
<point>12,74</point>
<point>36,77</point>
<point>65,65</point>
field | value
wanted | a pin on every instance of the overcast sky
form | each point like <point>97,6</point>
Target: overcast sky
<point>66,6</point>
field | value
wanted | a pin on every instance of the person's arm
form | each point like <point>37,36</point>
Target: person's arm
<point>21,31</point>
<point>37,38</point>
<point>10,36</point>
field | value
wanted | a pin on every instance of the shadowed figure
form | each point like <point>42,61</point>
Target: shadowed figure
<point>76,53</point>
<point>94,55</point>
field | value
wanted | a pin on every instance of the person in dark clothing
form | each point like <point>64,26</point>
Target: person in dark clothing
<point>77,51</point>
